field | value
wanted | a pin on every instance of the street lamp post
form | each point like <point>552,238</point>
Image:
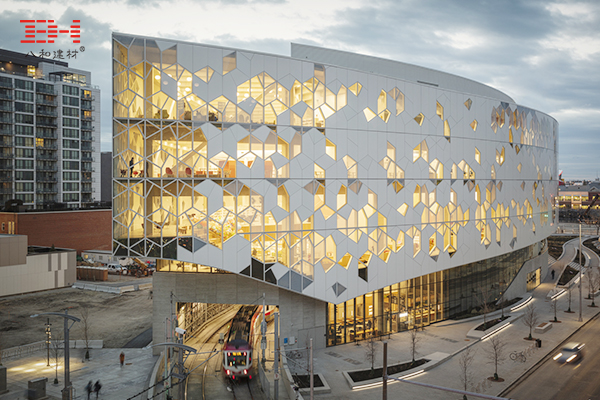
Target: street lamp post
<point>580,278</point>
<point>67,392</point>
<point>48,338</point>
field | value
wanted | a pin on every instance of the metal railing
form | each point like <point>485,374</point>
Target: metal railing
<point>22,351</point>
<point>47,123</point>
<point>51,157</point>
<point>47,102</point>
<point>51,113</point>
<point>6,119</point>
<point>46,90</point>
<point>6,107</point>
<point>6,83</point>
<point>6,96</point>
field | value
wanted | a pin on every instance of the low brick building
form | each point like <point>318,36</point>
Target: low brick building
<point>74,229</point>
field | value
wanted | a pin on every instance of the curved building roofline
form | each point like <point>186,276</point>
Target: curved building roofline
<point>395,69</point>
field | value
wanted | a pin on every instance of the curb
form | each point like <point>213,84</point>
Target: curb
<point>535,366</point>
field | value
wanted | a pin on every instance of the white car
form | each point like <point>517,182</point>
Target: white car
<point>116,268</point>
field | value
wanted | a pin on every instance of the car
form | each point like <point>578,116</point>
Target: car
<point>570,353</point>
<point>116,268</point>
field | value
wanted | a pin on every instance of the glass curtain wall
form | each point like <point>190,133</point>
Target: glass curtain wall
<point>426,299</point>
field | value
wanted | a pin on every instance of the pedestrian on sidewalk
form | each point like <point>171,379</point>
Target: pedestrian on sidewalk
<point>122,358</point>
<point>89,388</point>
<point>97,388</point>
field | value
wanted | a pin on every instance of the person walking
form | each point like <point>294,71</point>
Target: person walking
<point>89,388</point>
<point>122,358</point>
<point>97,388</point>
<point>131,167</point>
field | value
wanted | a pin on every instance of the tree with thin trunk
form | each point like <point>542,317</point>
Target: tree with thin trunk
<point>482,296</point>
<point>371,352</point>
<point>554,308</point>
<point>414,342</point>
<point>464,361</point>
<point>530,318</point>
<point>85,327</point>
<point>592,276</point>
<point>496,353</point>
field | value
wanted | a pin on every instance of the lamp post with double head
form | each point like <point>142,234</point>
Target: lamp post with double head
<point>67,392</point>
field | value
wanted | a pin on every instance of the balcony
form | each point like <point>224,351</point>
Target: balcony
<point>86,179</point>
<point>87,107</point>
<point>86,190</point>
<point>43,111</point>
<point>87,147</point>
<point>6,131</point>
<point>87,97</point>
<point>87,137</point>
<point>87,158</point>
<point>49,157</point>
<point>6,178</point>
<point>46,178</point>
<point>87,127</point>
<point>6,107</point>
<point>6,96</point>
<point>6,167</point>
<point>47,146</point>
<point>46,135</point>
<point>87,118</point>
<point>6,156</point>
<point>46,102</point>
<point>47,168</point>
<point>6,83</point>
<point>5,190</point>
<point>46,90</point>
<point>45,191</point>
<point>6,119</point>
<point>6,143</point>
<point>46,123</point>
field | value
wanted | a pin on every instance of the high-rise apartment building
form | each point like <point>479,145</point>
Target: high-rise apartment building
<point>49,132</point>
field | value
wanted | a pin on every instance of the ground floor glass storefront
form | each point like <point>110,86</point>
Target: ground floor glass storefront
<point>427,299</point>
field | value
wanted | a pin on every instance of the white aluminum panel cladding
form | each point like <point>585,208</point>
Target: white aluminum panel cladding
<point>323,179</point>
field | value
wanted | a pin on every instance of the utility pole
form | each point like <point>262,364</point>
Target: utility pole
<point>263,330</point>
<point>385,370</point>
<point>580,278</point>
<point>276,364</point>
<point>312,378</point>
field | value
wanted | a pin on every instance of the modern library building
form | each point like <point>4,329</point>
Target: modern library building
<point>362,196</point>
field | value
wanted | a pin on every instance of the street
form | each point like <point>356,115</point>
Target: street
<point>554,381</point>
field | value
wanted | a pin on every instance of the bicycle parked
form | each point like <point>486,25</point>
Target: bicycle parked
<point>518,355</point>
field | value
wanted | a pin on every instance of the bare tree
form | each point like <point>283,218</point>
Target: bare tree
<point>482,296</point>
<point>592,277</point>
<point>371,352</point>
<point>496,353</point>
<point>414,342</point>
<point>85,327</point>
<point>465,360</point>
<point>530,318</point>
<point>554,308</point>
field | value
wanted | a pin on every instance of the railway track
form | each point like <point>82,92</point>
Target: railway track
<point>241,394</point>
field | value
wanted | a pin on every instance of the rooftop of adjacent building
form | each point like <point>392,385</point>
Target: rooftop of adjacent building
<point>42,68</point>
<point>582,188</point>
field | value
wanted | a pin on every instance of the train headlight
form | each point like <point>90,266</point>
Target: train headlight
<point>228,371</point>
<point>245,372</point>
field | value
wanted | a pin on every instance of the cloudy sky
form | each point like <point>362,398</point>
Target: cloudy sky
<point>544,54</point>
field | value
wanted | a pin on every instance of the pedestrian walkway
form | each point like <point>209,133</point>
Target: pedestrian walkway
<point>117,383</point>
<point>445,340</point>
<point>450,337</point>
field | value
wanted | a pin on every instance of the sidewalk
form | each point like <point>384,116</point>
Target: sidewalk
<point>117,383</point>
<point>450,339</point>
